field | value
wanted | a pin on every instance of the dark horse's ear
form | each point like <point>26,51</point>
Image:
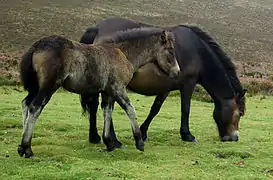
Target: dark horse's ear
<point>164,37</point>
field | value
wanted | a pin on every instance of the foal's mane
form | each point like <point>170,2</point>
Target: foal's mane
<point>132,34</point>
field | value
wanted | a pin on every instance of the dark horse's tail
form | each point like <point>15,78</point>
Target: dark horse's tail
<point>88,38</point>
<point>89,35</point>
<point>223,57</point>
<point>27,73</point>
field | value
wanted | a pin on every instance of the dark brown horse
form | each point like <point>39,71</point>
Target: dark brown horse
<point>201,61</point>
<point>55,61</point>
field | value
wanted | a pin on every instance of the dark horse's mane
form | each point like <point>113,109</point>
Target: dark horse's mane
<point>132,34</point>
<point>226,62</point>
<point>222,56</point>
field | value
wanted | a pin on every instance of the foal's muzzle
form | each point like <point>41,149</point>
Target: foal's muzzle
<point>175,72</point>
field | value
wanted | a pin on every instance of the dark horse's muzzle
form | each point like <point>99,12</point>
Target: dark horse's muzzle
<point>233,137</point>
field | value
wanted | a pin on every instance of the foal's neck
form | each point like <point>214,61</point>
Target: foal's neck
<point>139,52</point>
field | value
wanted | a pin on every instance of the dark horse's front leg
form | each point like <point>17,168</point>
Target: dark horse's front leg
<point>159,100</point>
<point>186,93</point>
<point>92,103</point>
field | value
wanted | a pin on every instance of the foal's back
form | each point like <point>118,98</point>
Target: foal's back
<point>80,68</point>
<point>101,66</point>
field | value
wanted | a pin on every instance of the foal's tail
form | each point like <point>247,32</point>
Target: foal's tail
<point>89,35</point>
<point>27,73</point>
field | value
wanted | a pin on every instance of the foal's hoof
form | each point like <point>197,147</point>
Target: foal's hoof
<point>188,138</point>
<point>140,145</point>
<point>25,151</point>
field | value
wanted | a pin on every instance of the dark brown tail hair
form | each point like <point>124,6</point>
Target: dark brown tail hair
<point>27,74</point>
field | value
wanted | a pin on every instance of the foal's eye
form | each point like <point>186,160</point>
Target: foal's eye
<point>171,52</point>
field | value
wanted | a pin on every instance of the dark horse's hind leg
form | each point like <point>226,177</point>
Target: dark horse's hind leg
<point>159,100</point>
<point>92,104</point>
<point>186,93</point>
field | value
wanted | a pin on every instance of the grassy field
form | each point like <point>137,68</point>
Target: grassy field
<point>244,28</point>
<point>62,149</point>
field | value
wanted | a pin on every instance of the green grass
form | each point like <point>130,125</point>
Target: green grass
<point>62,150</point>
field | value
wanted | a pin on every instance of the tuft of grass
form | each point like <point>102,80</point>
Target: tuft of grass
<point>62,150</point>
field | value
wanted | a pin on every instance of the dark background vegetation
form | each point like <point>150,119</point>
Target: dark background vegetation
<point>243,28</point>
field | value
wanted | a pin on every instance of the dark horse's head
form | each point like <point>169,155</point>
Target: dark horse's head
<point>227,116</point>
<point>228,94</point>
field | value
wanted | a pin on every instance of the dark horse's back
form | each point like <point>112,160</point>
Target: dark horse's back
<point>108,26</point>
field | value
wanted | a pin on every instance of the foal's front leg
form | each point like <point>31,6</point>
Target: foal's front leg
<point>124,102</point>
<point>107,106</point>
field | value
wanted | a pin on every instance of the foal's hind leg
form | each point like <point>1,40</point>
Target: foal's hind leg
<point>34,110</point>
<point>25,104</point>
<point>124,102</point>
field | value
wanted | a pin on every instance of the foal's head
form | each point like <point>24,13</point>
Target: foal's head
<point>165,54</point>
<point>228,115</point>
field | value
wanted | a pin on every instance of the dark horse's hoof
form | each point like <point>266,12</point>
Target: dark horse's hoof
<point>95,139</point>
<point>118,144</point>
<point>188,138</point>
<point>110,148</point>
<point>143,133</point>
<point>25,151</point>
<point>140,145</point>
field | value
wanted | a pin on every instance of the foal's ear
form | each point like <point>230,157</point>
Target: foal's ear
<point>164,37</point>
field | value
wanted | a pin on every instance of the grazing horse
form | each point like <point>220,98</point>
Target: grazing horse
<point>201,60</point>
<point>55,61</point>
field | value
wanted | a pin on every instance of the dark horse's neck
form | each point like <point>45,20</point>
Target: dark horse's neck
<point>215,53</point>
<point>222,57</point>
<point>214,77</point>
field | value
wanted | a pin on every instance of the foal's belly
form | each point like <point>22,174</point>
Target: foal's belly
<point>82,84</point>
<point>149,80</point>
